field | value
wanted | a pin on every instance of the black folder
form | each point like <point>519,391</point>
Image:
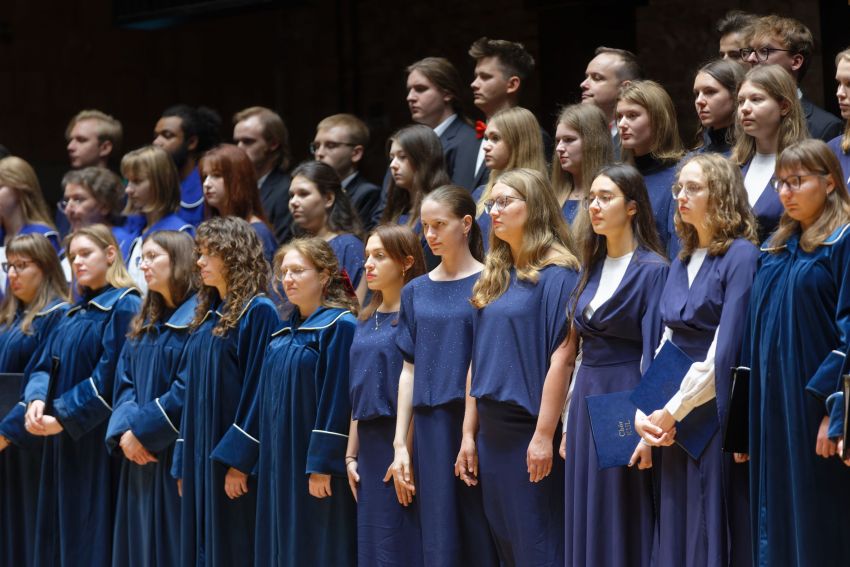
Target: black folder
<point>845,386</point>
<point>51,386</point>
<point>736,434</point>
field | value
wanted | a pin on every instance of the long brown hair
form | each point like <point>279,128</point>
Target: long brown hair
<point>400,243</point>
<point>666,144</point>
<point>460,203</point>
<point>241,199</point>
<point>20,176</point>
<point>156,166</point>
<point>39,250</point>
<point>730,75</point>
<point>183,281</point>
<point>341,218</point>
<point>246,270</point>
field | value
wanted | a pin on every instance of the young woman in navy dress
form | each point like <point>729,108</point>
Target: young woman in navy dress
<point>616,317</point>
<point>148,406</point>
<point>387,534</point>
<point>520,371</point>
<point>28,314</point>
<point>795,346</point>
<point>230,189</point>
<point>649,136</point>
<point>320,207</point>
<point>435,340</point>
<point>220,367</point>
<point>715,97</point>
<point>306,514</point>
<point>703,501</point>
<point>770,119</point>
<point>75,507</point>
<point>840,145</point>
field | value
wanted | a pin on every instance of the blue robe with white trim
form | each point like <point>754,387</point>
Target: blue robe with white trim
<point>303,429</point>
<point>75,504</point>
<point>149,402</point>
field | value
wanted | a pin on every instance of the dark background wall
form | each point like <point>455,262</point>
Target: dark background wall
<point>312,58</point>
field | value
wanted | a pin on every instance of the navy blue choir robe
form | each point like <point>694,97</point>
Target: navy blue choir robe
<point>20,462</point>
<point>148,401</point>
<point>77,489</point>
<point>221,376</point>
<point>659,178</point>
<point>349,253</point>
<point>50,233</point>
<point>168,222</point>
<point>303,423</point>
<point>267,239</point>
<point>768,208</point>
<point>703,504</point>
<point>796,337</point>
<point>387,532</point>
<point>514,338</point>
<point>610,520</point>
<point>192,198</point>
<point>843,157</point>
<point>435,335</point>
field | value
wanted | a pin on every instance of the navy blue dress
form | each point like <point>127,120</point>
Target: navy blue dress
<point>349,253</point>
<point>192,199</point>
<point>387,533</point>
<point>659,178</point>
<point>703,504</point>
<point>485,223</point>
<point>794,344</point>
<point>768,208</point>
<point>515,337</point>
<point>20,463</point>
<point>77,489</point>
<point>609,513</point>
<point>149,402</point>
<point>221,376</point>
<point>843,158</point>
<point>435,335</point>
<point>303,426</point>
<point>570,209</point>
<point>267,239</point>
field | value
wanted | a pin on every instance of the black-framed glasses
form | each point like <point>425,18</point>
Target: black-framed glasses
<point>17,266</point>
<point>330,146</point>
<point>762,53</point>
<point>499,203</point>
<point>793,182</point>
<point>603,200</point>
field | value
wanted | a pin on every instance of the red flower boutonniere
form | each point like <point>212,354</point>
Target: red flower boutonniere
<point>480,127</point>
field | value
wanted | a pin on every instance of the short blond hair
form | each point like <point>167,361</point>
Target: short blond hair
<point>107,128</point>
<point>358,132</point>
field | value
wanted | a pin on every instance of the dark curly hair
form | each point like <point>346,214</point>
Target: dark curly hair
<point>246,270</point>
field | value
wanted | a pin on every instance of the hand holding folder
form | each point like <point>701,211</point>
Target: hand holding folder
<point>612,424</point>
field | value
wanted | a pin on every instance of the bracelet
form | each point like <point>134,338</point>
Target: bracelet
<point>350,458</point>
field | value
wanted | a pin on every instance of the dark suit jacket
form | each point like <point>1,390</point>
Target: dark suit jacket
<point>365,197</point>
<point>822,125</point>
<point>460,146</point>
<point>274,193</point>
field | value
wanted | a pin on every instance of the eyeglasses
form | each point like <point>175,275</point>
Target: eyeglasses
<point>296,272</point>
<point>603,200</point>
<point>499,203</point>
<point>63,204</point>
<point>793,182</point>
<point>148,258</point>
<point>762,53</point>
<point>686,190</point>
<point>17,266</point>
<point>330,146</point>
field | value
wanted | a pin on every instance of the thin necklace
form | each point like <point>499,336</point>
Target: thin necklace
<point>377,325</point>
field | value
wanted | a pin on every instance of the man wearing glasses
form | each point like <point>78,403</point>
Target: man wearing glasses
<point>789,43</point>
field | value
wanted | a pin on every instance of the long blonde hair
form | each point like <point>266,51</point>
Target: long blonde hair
<point>545,233</point>
<point>521,132</point>
<point>816,157</point>
<point>101,235</point>
<point>53,286</point>
<point>156,166</point>
<point>780,86</point>
<point>666,144</point>
<point>20,176</point>
<point>845,138</point>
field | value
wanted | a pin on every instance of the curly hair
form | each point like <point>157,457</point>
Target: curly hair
<point>545,231</point>
<point>183,280</point>
<point>729,215</point>
<point>319,253</point>
<point>246,270</point>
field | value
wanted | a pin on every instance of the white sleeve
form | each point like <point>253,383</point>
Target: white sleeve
<point>697,386</point>
<point>667,336</point>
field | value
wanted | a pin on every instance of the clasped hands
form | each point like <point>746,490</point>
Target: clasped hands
<point>38,423</point>
<point>658,429</point>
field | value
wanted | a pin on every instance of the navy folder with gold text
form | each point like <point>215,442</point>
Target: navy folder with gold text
<point>612,423</point>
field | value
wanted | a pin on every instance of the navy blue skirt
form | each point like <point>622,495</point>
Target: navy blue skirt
<point>526,519</point>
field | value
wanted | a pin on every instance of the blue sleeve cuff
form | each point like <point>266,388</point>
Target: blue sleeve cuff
<point>825,380</point>
<point>119,423</point>
<point>237,449</point>
<point>81,409</point>
<point>36,388</point>
<point>835,408</point>
<point>153,428</point>
<point>177,460</point>
<point>12,428</point>
<point>326,453</point>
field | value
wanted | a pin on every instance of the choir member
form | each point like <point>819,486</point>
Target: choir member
<point>615,313</point>
<point>230,189</point>
<point>435,340</point>
<point>148,405</point>
<point>306,514</point>
<point>321,208</point>
<point>69,397</point>
<point>153,198</point>
<point>387,534</point>
<point>840,145</point>
<point>703,501</point>
<point>769,119</point>
<point>794,346</point>
<point>520,371</point>
<point>22,206</point>
<point>220,367</point>
<point>511,141</point>
<point>650,140</point>
<point>28,314</point>
<point>715,96</point>
<point>94,195</point>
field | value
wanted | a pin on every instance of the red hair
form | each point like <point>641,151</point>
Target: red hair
<point>240,182</point>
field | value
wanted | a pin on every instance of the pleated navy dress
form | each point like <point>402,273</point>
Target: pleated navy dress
<point>20,462</point>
